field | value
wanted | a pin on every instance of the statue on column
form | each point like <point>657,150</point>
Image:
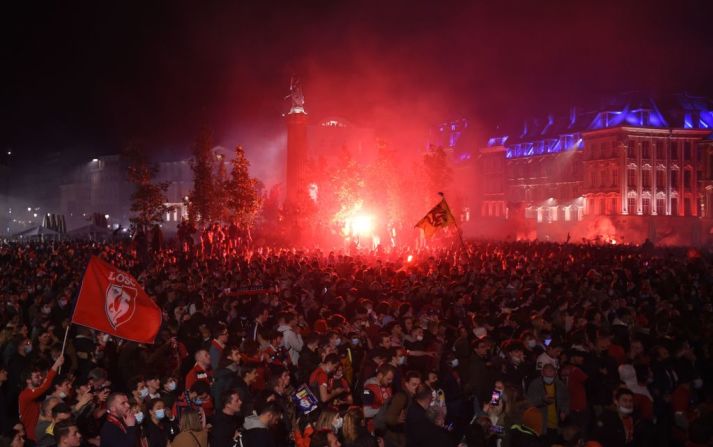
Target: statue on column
<point>296,95</point>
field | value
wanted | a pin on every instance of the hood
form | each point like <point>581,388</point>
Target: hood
<point>253,421</point>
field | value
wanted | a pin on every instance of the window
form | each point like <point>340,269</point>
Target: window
<point>592,179</point>
<point>631,202</point>
<point>590,206</point>
<point>687,179</point>
<point>645,150</point>
<point>602,206</point>
<point>615,177</point>
<point>603,178</point>
<point>646,179</point>
<point>660,154</point>
<point>660,180</point>
<point>686,206</point>
<point>674,180</point>
<point>631,178</point>
<point>660,206</point>
<point>674,150</point>
<point>674,206</point>
<point>646,206</point>
<point>630,150</point>
<point>687,150</point>
<point>605,150</point>
<point>612,206</point>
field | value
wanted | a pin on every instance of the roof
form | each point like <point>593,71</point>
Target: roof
<point>557,133</point>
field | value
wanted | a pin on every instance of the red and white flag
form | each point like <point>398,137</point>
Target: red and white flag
<point>112,301</point>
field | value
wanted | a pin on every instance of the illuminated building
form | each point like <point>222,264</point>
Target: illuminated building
<point>633,169</point>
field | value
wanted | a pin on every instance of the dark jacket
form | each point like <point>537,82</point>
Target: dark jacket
<point>223,431</point>
<point>256,434</point>
<point>477,380</point>
<point>113,436</point>
<point>420,431</point>
<point>609,430</point>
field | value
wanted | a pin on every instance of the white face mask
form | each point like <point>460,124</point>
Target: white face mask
<point>401,360</point>
<point>531,343</point>
<point>160,414</point>
<point>549,380</point>
<point>171,386</point>
<point>139,417</point>
<point>419,338</point>
<point>337,423</point>
<point>454,363</point>
<point>625,411</point>
<point>144,392</point>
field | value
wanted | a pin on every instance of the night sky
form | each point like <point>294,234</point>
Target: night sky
<point>86,77</point>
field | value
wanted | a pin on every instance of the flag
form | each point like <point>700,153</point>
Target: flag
<point>440,216</point>
<point>112,301</point>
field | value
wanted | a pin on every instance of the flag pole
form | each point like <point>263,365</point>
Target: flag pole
<point>64,343</point>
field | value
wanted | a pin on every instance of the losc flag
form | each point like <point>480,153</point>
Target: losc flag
<point>439,217</point>
<point>112,301</point>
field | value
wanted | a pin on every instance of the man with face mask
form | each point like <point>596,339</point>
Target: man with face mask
<point>615,427</point>
<point>514,370</point>
<point>550,395</point>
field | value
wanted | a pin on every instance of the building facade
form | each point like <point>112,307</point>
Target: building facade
<point>631,170</point>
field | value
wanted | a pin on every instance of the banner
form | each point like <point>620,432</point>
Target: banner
<point>111,301</point>
<point>439,217</point>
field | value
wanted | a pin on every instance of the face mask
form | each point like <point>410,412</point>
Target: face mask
<point>419,338</point>
<point>62,303</point>
<point>698,383</point>
<point>198,401</point>
<point>139,417</point>
<point>355,341</point>
<point>337,342</point>
<point>160,414</point>
<point>401,360</point>
<point>171,386</point>
<point>337,423</point>
<point>454,363</point>
<point>531,343</point>
<point>28,349</point>
<point>46,310</point>
<point>143,392</point>
<point>62,394</point>
<point>548,380</point>
<point>625,411</point>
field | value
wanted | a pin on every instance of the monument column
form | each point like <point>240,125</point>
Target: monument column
<point>296,121</point>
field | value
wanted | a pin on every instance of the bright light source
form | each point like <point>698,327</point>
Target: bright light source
<point>106,216</point>
<point>34,214</point>
<point>613,241</point>
<point>362,225</point>
<point>29,208</point>
<point>9,152</point>
<point>94,160</point>
<point>409,258</point>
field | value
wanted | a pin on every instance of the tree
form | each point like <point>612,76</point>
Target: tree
<point>243,199</point>
<point>201,202</point>
<point>438,169</point>
<point>220,191</point>
<point>148,201</point>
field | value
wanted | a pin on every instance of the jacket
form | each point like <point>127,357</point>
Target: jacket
<point>421,432</point>
<point>536,395</point>
<point>256,433</point>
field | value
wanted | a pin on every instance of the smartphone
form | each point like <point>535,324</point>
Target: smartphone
<point>548,341</point>
<point>495,398</point>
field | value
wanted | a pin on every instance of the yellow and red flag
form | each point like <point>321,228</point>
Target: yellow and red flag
<point>440,216</point>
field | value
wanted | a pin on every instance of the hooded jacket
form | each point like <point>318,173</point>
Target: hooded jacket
<point>256,433</point>
<point>292,342</point>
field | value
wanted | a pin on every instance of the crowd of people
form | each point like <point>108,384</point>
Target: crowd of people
<point>505,344</point>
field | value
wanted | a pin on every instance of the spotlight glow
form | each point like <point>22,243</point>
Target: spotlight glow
<point>362,225</point>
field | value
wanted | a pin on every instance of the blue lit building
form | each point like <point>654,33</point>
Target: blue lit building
<point>631,169</point>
